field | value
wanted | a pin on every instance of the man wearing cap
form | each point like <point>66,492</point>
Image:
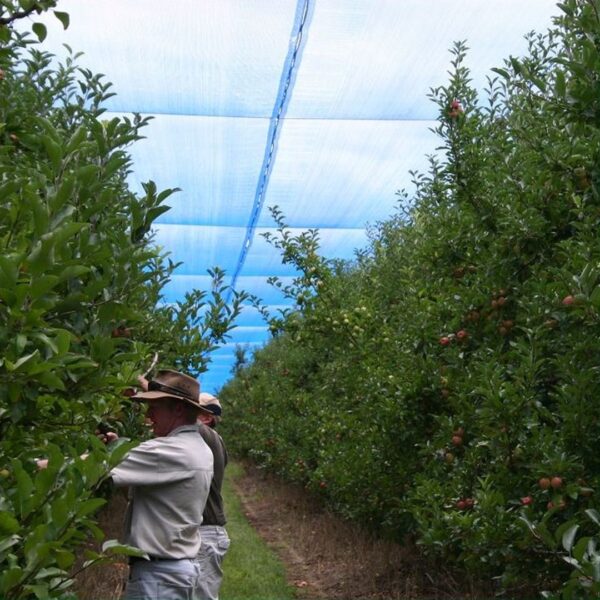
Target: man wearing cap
<point>169,478</point>
<point>215,540</point>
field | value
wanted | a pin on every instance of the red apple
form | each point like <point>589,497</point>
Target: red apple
<point>445,341</point>
<point>527,500</point>
<point>556,482</point>
<point>457,440</point>
<point>462,335</point>
<point>544,483</point>
<point>568,300</point>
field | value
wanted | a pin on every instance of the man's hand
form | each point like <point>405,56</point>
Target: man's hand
<point>143,383</point>
<point>106,438</point>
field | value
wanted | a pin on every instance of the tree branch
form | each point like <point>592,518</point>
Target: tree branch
<point>18,15</point>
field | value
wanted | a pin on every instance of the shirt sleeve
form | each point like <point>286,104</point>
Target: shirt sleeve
<point>151,463</point>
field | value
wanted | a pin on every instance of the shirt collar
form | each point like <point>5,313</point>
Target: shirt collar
<point>184,428</point>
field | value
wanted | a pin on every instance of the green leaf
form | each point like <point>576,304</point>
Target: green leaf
<point>49,343</point>
<point>63,17</point>
<point>40,590</point>
<point>154,213</point>
<point>59,510</point>
<point>62,216</point>
<point>73,272</point>
<point>63,193</point>
<point>9,265</point>
<point>116,547</point>
<point>516,65</point>
<point>40,30</point>
<point>49,572</point>
<point>22,500</point>
<point>86,174</point>
<point>54,152</point>
<point>63,340</point>
<point>24,360</point>
<point>566,8</point>
<point>102,348</point>
<point>539,82</point>
<point>560,85</point>
<point>39,211</point>
<point>90,506</point>
<point>540,530</point>
<point>21,342</point>
<point>568,537</point>
<point>596,568</point>
<point>51,381</point>
<point>47,477</point>
<point>42,284</point>
<point>66,231</point>
<point>595,297</point>
<point>64,558</point>
<point>76,140</point>
<point>118,449</point>
<point>8,523</point>
<point>594,515</point>
<point>502,72</point>
<point>580,548</point>
<point>10,578</point>
<point>572,561</point>
<point>9,542</point>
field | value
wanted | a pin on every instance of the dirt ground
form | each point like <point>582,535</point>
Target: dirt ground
<point>328,558</point>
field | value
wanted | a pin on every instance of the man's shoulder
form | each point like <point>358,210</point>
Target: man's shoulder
<point>182,441</point>
<point>210,436</point>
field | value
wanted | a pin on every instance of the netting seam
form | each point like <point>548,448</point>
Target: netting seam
<point>303,11</point>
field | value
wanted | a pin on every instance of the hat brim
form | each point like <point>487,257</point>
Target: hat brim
<point>150,396</point>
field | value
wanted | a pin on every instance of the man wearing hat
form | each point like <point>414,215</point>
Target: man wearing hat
<point>169,479</point>
<point>215,540</point>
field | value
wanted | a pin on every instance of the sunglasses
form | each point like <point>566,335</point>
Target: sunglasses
<point>155,386</point>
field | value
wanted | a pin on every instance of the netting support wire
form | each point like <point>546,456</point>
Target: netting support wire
<point>304,11</point>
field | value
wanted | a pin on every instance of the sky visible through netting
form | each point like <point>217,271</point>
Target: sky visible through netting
<point>317,106</point>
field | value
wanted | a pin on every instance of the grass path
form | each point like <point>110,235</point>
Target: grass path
<point>252,570</point>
